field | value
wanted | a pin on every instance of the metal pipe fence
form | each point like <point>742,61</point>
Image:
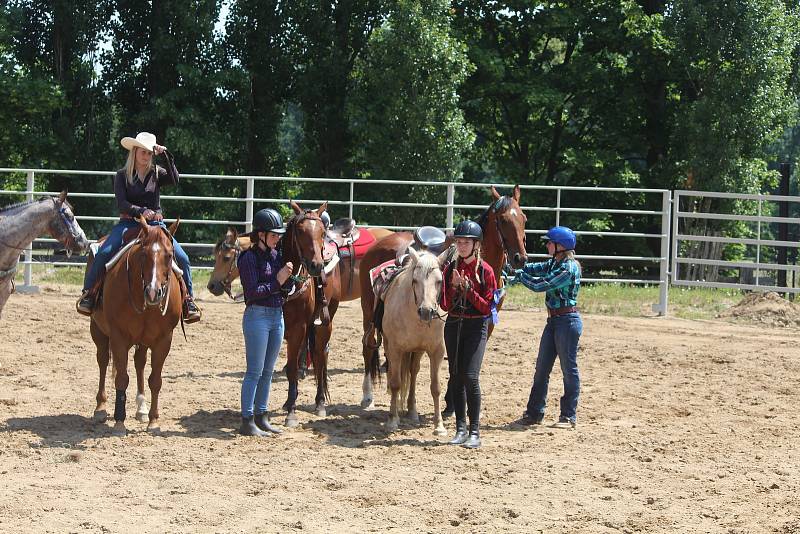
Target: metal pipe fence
<point>363,193</point>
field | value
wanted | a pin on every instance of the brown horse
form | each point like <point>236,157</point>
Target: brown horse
<point>310,307</point>
<point>227,250</point>
<point>503,225</point>
<point>141,305</point>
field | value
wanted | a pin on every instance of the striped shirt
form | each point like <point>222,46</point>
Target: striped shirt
<point>560,280</point>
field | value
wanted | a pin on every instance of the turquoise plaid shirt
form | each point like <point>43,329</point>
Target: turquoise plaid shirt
<point>560,280</point>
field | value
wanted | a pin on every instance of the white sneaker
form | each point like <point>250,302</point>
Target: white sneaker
<point>564,423</point>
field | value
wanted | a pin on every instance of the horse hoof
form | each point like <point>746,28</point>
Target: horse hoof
<point>439,431</point>
<point>413,417</point>
<point>367,403</point>
<point>119,430</point>
<point>142,417</point>
<point>154,428</point>
<point>100,416</point>
<point>291,421</point>
<point>392,424</point>
<point>321,412</point>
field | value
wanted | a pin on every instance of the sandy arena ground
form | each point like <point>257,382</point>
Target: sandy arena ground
<point>684,426</point>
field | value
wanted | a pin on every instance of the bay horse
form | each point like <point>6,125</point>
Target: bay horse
<point>228,249</point>
<point>503,225</point>
<point>21,223</point>
<point>310,307</point>
<point>412,326</point>
<point>141,305</point>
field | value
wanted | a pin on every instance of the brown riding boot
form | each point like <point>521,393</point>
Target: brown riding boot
<point>191,312</point>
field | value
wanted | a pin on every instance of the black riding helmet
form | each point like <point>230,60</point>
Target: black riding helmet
<point>268,220</point>
<point>468,229</point>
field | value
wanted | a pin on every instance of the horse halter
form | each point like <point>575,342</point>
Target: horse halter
<point>227,281</point>
<point>293,223</point>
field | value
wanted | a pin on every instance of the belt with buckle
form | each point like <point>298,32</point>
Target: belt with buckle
<point>555,312</point>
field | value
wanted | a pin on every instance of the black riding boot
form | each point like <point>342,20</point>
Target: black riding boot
<point>262,422</point>
<point>474,439</point>
<point>249,428</point>
<point>461,433</point>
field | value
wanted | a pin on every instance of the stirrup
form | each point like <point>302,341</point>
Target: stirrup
<point>190,317</point>
<point>81,304</point>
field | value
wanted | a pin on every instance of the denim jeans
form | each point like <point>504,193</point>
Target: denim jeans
<point>113,243</point>
<point>559,338</point>
<point>263,332</point>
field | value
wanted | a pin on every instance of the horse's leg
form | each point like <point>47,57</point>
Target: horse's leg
<point>101,342</point>
<point>413,415</point>
<point>436,357</point>
<point>119,351</point>
<point>394,381</point>
<point>158,355</point>
<point>369,347</point>
<point>139,361</point>
<point>294,343</point>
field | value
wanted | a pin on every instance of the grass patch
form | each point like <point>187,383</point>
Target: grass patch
<point>605,299</point>
<point>637,301</point>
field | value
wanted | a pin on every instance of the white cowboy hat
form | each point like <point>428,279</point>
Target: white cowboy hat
<point>143,140</point>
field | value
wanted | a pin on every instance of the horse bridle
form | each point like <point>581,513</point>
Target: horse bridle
<point>227,281</point>
<point>437,314</point>
<point>163,302</point>
<point>303,279</point>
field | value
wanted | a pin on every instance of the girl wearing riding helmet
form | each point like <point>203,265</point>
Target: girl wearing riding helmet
<point>262,272</point>
<point>560,279</point>
<point>137,189</point>
<point>468,289</point>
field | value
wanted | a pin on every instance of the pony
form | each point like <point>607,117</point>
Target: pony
<point>412,325</point>
<point>21,223</point>
<point>310,306</point>
<point>503,224</point>
<point>141,305</point>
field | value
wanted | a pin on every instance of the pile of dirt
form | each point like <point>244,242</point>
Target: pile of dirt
<point>765,308</point>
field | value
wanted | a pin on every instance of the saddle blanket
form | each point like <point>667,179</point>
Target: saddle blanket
<point>382,275</point>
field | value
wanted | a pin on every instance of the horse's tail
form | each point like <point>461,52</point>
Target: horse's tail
<point>405,377</point>
<point>371,342</point>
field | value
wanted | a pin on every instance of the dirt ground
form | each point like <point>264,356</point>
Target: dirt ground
<point>683,426</point>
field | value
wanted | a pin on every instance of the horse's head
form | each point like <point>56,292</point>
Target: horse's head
<point>306,235</point>
<point>509,222</point>
<point>65,228</point>
<point>226,252</point>
<point>426,282</point>
<point>154,256</point>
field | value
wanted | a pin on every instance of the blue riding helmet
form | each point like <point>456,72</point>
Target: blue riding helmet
<point>562,235</point>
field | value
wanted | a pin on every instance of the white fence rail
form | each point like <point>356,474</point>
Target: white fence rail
<point>680,218</point>
<point>360,195</point>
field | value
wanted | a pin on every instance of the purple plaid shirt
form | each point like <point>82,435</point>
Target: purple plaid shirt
<point>258,271</point>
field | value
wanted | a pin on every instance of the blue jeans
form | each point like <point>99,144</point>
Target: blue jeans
<point>559,338</point>
<point>263,332</point>
<point>113,243</point>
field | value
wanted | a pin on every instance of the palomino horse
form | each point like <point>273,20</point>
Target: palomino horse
<point>21,223</point>
<point>226,254</point>
<point>310,307</point>
<point>412,326</point>
<point>141,305</point>
<point>503,225</point>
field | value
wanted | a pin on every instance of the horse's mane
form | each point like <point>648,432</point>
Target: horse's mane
<point>497,206</point>
<point>22,204</point>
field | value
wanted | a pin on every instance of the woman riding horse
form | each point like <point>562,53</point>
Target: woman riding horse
<point>137,188</point>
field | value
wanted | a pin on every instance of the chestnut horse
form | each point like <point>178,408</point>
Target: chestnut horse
<point>311,305</point>
<point>141,305</point>
<point>503,225</point>
<point>413,325</point>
